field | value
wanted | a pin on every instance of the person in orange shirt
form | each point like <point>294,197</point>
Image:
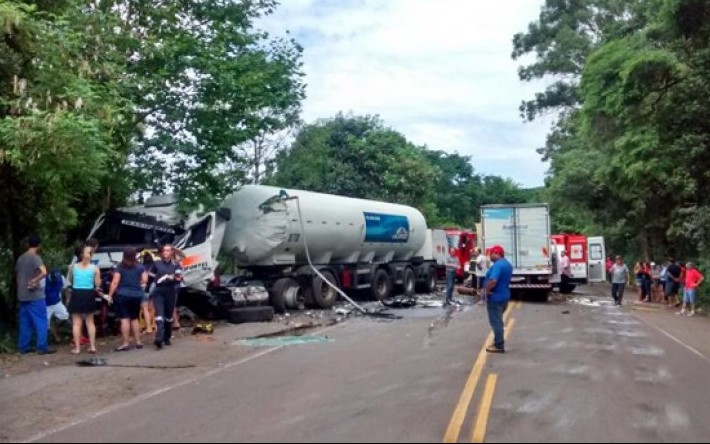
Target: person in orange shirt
<point>693,279</point>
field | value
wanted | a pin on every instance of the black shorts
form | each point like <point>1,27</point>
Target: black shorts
<point>672,289</point>
<point>128,307</point>
<point>83,302</point>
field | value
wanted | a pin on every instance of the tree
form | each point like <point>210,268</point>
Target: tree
<point>358,157</point>
<point>207,86</point>
<point>59,117</point>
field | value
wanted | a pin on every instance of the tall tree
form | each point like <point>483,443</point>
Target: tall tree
<point>59,117</point>
<point>358,157</point>
<point>207,84</point>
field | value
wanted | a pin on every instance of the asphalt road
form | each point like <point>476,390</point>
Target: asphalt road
<point>579,371</point>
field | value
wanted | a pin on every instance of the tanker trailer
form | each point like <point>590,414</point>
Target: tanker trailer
<point>357,245</point>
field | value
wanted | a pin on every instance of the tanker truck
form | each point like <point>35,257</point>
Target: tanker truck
<point>286,243</point>
<point>294,240</point>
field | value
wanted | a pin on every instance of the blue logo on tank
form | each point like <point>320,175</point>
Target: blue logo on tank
<point>386,228</point>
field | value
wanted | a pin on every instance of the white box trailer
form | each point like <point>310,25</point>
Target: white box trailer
<point>524,232</point>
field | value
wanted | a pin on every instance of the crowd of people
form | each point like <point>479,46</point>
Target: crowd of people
<point>137,285</point>
<point>671,283</point>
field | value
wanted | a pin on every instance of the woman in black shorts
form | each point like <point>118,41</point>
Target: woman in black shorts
<point>128,284</point>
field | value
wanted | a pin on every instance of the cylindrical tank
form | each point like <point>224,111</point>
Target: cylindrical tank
<point>265,229</point>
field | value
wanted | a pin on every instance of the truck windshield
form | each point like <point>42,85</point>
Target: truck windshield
<point>130,229</point>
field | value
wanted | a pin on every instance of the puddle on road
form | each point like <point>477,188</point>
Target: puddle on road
<point>282,341</point>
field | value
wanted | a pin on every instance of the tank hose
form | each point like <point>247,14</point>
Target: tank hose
<point>334,287</point>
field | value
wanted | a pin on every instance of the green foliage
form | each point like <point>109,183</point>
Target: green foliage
<point>100,100</point>
<point>207,84</point>
<point>360,157</point>
<point>630,160</point>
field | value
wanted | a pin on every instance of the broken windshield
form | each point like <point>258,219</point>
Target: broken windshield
<point>120,229</point>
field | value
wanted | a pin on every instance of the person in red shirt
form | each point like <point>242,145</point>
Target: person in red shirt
<point>693,279</point>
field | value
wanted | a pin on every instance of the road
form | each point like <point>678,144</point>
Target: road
<point>578,371</point>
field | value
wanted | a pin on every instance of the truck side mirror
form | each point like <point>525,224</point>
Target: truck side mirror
<point>224,213</point>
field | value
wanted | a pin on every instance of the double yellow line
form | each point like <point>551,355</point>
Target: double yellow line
<point>453,431</point>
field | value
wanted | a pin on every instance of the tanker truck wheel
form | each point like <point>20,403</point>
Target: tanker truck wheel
<point>429,285</point>
<point>277,295</point>
<point>381,288</point>
<point>324,295</point>
<point>295,297</point>
<point>410,282</point>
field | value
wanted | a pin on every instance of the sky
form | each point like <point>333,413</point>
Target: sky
<point>438,71</point>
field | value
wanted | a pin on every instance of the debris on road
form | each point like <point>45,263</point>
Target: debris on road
<point>103,362</point>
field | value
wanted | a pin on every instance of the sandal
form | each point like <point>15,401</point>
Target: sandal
<point>139,346</point>
<point>76,351</point>
<point>123,348</point>
<point>93,352</point>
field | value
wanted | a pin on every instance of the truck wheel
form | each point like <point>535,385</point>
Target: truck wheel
<point>410,282</point>
<point>251,314</point>
<point>324,295</point>
<point>277,295</point>
<point>431,281</point>
<point>295,297</point>
<point>381,286</point>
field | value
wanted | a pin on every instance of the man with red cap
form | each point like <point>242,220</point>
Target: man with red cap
<point>498,291</point>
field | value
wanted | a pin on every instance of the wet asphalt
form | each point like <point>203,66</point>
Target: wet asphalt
<point>578,371</point>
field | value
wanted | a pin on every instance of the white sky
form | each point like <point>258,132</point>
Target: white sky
<point>439,71</point>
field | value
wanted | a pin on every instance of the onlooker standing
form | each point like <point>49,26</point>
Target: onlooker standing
<point>693,279</point>
<point>675,273</point>
<point>498,290</point>
<point>609,263</point>
<point>638,272</point>
<point>566,267</point>
<point>128,285</point>
<point>619,280</point>
<point>481,271</point>
<point>84,278</point>
<point>167,274</point>
<point>452,265</point>
<point>663,279</point>
<point>647,282</point>
<point>53,286</point>
<point>33,309</point>
<point>148,308</point>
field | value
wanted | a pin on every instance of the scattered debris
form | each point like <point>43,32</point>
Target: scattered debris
<point>400,302</point>
<point>103,362</point>
<point>342,312</point>
<point>203,328</point>
<point>186,316</point>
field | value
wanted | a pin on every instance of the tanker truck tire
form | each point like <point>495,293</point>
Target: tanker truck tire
<point>277,295</point>
<point>250,314</point>
<point>429,285</point>
<point>381,288</point>
<point>410,282</point>
<point>324,295</point>
<point>295,297</point>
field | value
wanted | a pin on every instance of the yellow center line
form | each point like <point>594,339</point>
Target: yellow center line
<point>481,424</point>
<point>453,431</point>
<point>484,411</point>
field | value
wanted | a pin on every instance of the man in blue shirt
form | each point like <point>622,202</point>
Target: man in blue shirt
<point>498,291</point>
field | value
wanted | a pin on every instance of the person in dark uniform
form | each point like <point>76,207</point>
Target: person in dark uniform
<point>167,275</point>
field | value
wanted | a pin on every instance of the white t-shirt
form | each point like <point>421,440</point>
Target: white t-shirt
<point>565,264</point>
<point>481,265</point>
